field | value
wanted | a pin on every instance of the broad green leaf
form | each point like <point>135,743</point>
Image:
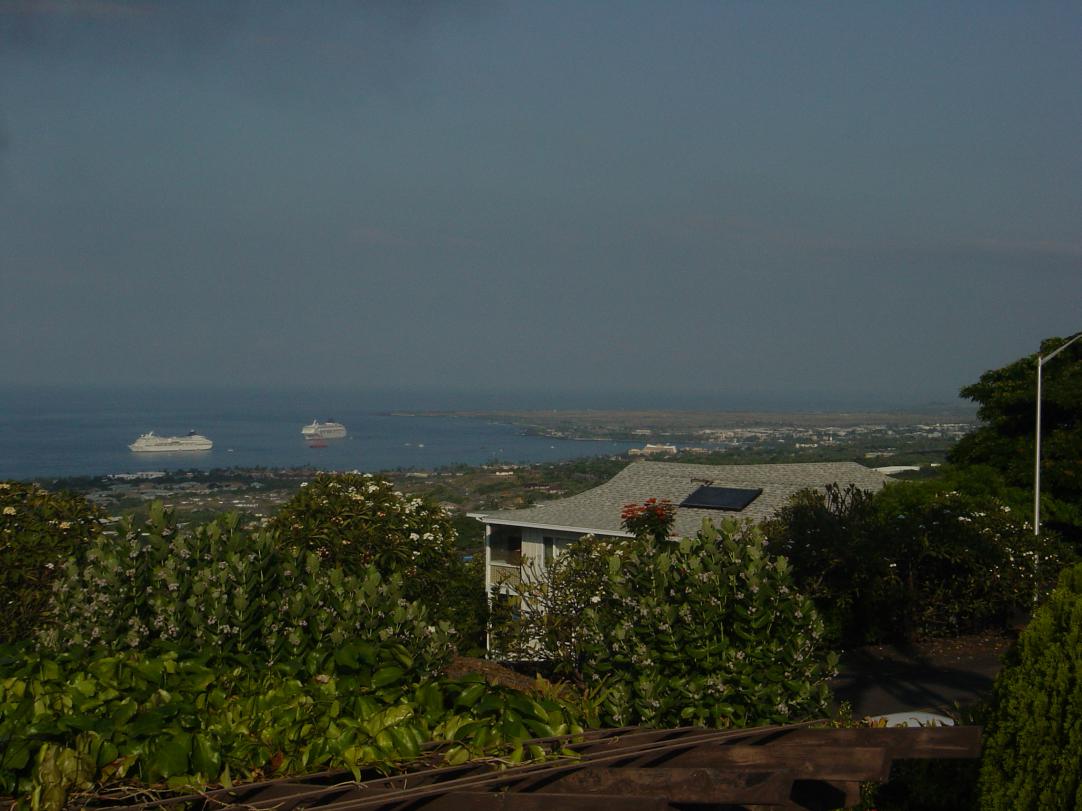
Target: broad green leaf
<point>170,756</point>
<point>471,695</point>
<point>206,759</point>
<point>387,675</point>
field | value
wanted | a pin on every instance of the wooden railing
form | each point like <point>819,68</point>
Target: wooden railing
<point>789,767</point>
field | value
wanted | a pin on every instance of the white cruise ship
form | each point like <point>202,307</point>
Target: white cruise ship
<point>151,443</point>
<point>324,430</point>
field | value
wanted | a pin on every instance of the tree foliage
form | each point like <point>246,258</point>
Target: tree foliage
<point>704,630</point>
<point>1007,407</point>
<point>833,543</point>
<point>1033,740</point>
<point>917,559</point>
<point>39,532</point>
<point>548,623</point>
<point>217,587</point>
<point>359,520</point>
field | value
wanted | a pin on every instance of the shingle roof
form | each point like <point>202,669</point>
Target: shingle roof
<point>598,510</point>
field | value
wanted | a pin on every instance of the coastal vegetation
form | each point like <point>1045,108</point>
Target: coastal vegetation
<point>708,630</point>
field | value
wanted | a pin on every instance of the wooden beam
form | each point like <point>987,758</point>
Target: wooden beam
<point>845,763</point>
<point>676,785</point>
<point>901,743</point>
<point>513,801</point>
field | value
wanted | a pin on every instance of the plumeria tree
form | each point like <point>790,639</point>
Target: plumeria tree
<point>359,520</point>
<point>548,623</point>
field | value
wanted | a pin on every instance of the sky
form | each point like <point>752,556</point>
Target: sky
<point>739,203</point>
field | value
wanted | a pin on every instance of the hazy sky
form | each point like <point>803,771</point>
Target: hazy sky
<point>844,202</point>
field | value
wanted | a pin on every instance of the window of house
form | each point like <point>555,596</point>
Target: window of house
<point>507,605</point>
<point>506,549</point>
<point>550,549</point>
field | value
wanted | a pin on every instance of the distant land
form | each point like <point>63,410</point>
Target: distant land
<point>714,426</point>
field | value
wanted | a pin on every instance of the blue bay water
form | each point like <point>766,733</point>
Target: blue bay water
<point>54,433</point>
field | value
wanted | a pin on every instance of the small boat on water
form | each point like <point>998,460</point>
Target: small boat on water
<point>152,443</point>
<point>324,430</point>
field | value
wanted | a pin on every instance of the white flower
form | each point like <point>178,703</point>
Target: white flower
<point>9,511</point>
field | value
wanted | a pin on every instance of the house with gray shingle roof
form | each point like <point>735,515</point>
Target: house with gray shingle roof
<point>717,492</point>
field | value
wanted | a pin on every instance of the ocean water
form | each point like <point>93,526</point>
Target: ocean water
<point>48,433</point>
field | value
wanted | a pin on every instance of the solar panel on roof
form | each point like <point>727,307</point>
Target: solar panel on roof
<point>733,499</point>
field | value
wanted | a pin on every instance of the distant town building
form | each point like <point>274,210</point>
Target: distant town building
<point>891,470</point>
<point>653,450</point>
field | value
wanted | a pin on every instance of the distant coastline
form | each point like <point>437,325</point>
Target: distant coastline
<point>87,432</point>
<point>601,425</point>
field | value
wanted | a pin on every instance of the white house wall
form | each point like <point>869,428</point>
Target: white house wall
<point>533,550</point>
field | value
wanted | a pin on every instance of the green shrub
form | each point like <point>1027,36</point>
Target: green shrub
<point>961,563</point>
<point>834,543</point>
<point>174,719</point>
<point>913,560</point>
<point>464,605</point>
<point>359,520</point>
<point>216,587</point>
<point>706,630</point>
<point>39,532</point>
<point>1033,741</point>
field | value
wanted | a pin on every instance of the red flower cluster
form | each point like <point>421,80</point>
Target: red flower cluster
<point>653,517</point>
